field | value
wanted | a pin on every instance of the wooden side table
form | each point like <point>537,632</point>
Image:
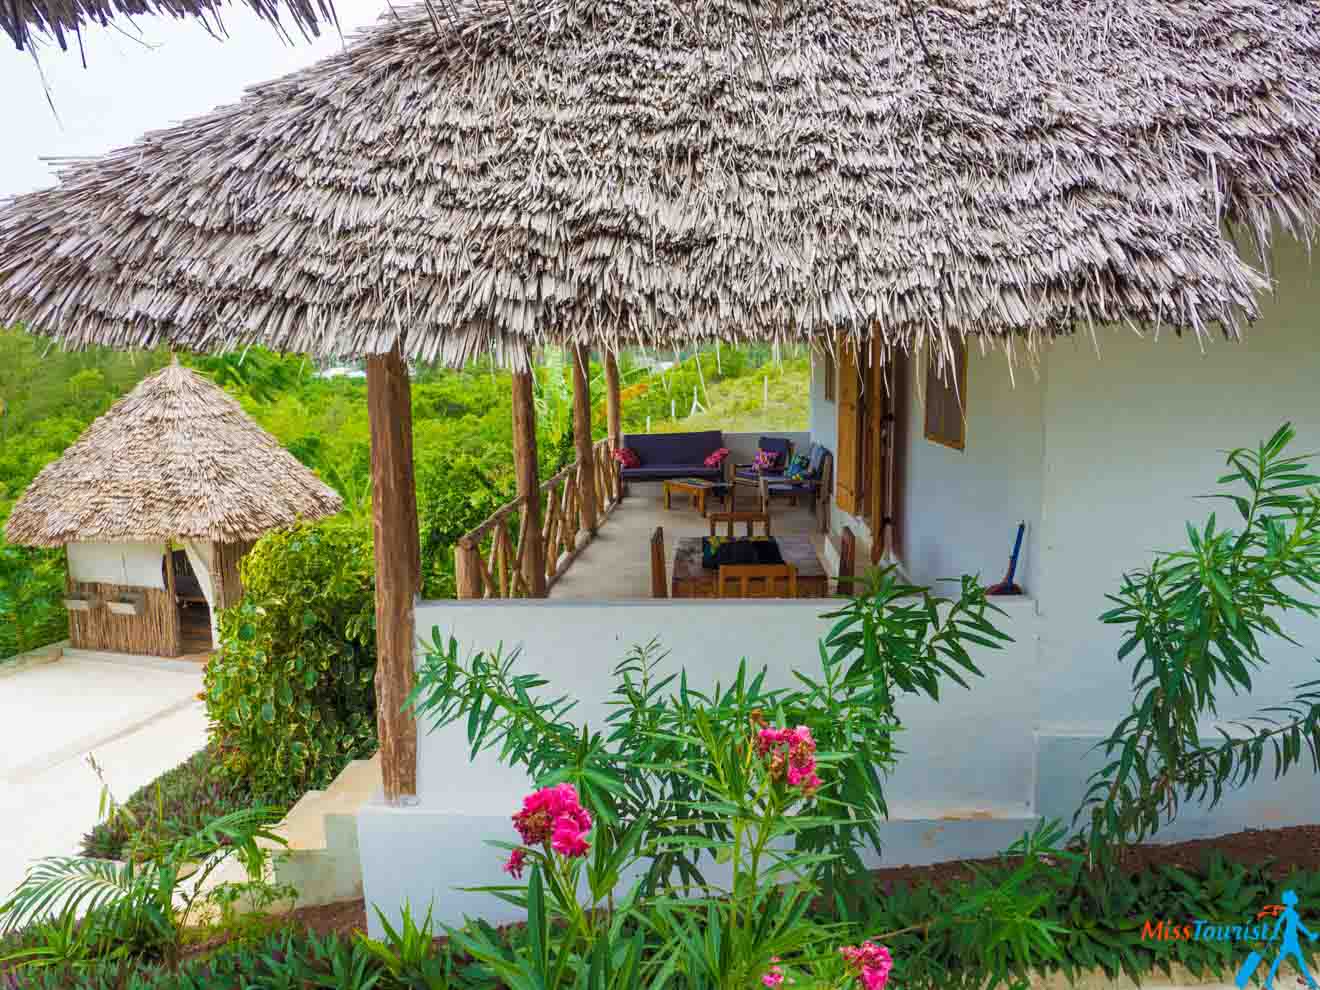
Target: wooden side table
<point>697,489</point>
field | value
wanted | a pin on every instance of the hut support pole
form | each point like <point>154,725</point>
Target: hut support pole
<point>613,410</point>
<point>398,572</point>
<point>581,357</point>
<point>529,485</point>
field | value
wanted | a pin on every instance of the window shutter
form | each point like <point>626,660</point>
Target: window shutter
<point>877,409</point>
<point>849,435</point>
<point>946,398</point>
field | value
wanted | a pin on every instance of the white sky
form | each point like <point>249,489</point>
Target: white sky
<point>127,89</point>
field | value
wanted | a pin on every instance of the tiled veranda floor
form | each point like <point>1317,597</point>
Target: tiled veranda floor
<point>616,565</point>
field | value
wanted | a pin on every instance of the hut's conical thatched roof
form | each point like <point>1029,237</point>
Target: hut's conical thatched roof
<point>176,457</point>
<point>22,19</point>
<point>623,171</point>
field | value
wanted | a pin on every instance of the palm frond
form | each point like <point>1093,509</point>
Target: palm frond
<point>71,885</point>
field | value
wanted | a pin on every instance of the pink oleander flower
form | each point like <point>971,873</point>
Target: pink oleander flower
<point>554,815</point>
<point>773,978</point>
<point>871,962</point>
<point>790,754</point>
<point>569,840</point>
<point>514,867</point>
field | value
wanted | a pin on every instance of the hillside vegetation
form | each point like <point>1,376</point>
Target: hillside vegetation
<point>461,424</point>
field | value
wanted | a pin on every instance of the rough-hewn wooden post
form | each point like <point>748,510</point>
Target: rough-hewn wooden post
<point>394,523</point>
<point>467,569</point>
<point>529,484</point>
<point>580,355</point>
<point>612,408</point>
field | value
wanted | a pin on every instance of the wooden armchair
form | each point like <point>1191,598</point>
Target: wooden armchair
<point>659,583</point>
<point>729,518</point>
<point>757,581</point>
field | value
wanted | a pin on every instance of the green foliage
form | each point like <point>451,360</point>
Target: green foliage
<point>177,803</point>
<point>31,598</point>
<point>454,496</point>
<point>941,937</point>
<point>731,388</point>
<point>290,692</point>
<point>101,909</point>
<point>408,953</point>
<point>1198,621</point>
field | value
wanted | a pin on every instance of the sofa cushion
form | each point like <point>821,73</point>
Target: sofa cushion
<point>627,457</point>
<point>717,458</point>
<point>752,474</point>
<point>674,448</point>
<point>660,472</point>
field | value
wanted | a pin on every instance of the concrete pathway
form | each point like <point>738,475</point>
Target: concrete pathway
<point>138,716</point>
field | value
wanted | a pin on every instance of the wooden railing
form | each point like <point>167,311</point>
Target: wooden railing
<point>489,560</point>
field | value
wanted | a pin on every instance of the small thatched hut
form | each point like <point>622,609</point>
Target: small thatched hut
<point>157,502</point>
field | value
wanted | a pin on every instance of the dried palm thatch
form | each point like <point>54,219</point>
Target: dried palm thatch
<point>22,19</point>
<point>175,458</point>
<point>470,179</point>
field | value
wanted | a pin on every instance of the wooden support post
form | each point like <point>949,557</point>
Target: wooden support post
<point>581,358</point>
<point>394,524</point>
<point>612,408</point>
<point>529,484</point>
<point>467,569</point>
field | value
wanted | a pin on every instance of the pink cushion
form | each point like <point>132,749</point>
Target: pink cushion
<point>765,460</point>
<point>717,458</point>
<point>627,457</point>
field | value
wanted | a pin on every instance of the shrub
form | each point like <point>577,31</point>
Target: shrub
<point>290,691</point>
<point>31,592</point>
<point>177,803</point>
<point>454,495</point>
<point>677,782</point>
<point>1200,619</point>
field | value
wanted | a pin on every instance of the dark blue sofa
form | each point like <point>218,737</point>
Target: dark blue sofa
<point>673,455</point>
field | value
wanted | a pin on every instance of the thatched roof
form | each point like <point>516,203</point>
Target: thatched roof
<point>175,458</point>
<point>622,172</point>
<point>22,19</point>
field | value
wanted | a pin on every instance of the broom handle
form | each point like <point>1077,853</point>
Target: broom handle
<point>1017,546</point>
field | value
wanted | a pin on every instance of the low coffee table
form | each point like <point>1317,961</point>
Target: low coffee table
<point>698,489</point>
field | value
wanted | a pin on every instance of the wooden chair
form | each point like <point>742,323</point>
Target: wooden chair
<point>659,585</point>
<point>750,518</point>
<point>756,581</point>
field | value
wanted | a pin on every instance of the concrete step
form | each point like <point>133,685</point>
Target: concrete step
<point>321,860</point>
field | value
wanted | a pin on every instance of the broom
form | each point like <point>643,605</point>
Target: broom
<point>1006,586</point>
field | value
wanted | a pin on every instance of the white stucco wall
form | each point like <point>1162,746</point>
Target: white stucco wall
<point>960,763</point>
<point>960,508</point>
<point>135,564</point>
<point>1131,439</point>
